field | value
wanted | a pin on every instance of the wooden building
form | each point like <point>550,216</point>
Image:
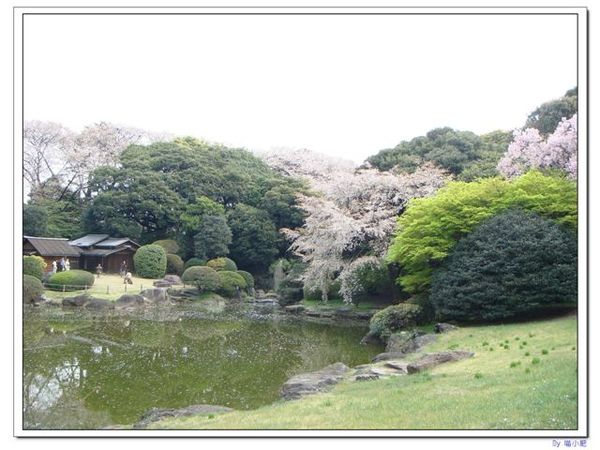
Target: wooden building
<point>105,250</point>
<point>51,249</point>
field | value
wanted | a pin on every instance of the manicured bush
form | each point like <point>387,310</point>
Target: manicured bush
<point>192,262</point>
<point>248,278</point>
<point>231,282</point>
<point>512,265</point>
<point>34,266</point>
<point>70,280</point>
<point>203,277</point>
<point>32,288</point>
<point>150,261</point>
<point>174,264</point>
<point>394,318</point>
<point>168,245</point>
<point>430,227</point>
<point>222,264</point>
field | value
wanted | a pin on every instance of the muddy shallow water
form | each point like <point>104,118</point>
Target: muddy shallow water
<point>93,370</point>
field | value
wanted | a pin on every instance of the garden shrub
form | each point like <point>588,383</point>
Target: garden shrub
<point>170,246</point>
<point>222,264</point>
<point>513,264</point>
<point>174,264</point>
<point>248,278</point>
<point>394,318</point>
<point>34,266</point>
<point>231,282</point>
<point>32,288</point>
<point>150,261</point>
<point>70,280</point>
<point>194,262</point>
<point>203,277</point>
<point>289,287</point>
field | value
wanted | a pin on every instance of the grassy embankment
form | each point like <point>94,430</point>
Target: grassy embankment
<point>523,376</point>
<point>109,287</point>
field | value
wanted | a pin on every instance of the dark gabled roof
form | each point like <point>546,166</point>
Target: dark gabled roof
<point>115,242</point>
<point>89,239</point>
<point>52,246</point>
<point>104,251</point>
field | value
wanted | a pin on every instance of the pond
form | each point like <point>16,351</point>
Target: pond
<point>88,371</point>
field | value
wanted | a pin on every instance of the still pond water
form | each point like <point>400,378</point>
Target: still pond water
<point>91,371</point>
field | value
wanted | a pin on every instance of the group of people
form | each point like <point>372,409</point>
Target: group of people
<point>125,274</point>
<point>61,265</point>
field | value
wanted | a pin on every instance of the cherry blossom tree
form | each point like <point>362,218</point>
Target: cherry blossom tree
<point>350,224</point>
<point>529,150</point>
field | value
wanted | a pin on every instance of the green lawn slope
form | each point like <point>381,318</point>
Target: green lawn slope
<point>523,376</point>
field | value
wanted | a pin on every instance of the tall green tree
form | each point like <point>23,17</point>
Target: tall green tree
<point>213,237</point>
<point>546,117</point>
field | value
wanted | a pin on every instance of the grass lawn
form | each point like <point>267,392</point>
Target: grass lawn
<point>523,376</point>
<point>109,286</point>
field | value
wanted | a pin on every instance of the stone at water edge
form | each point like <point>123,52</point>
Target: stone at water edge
<point>155,294</point>
<point>155,414</point>
<point>127,300</point>
<point>97,303</point>
<point>295,309</point>
<point>78,300</point>
<point>417,342</point>
<point>162,284</point>
<point>433,359</point>
<point>388,356</point>
<point>444,327</point>
<point>313,382</point>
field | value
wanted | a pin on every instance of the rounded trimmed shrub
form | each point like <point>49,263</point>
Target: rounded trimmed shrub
<point>34,266</point>
<point>513,264</point>
<point>32,288</point>
<point>70,280</point>
<point>203,277</point>
<point>222,264</point>
<point>150,261</point>
<point>168,245</point>
<point>394,318</point>
<point>194,262</point>
<point>231,282</point>
<point>174,264</point>
<point>248,278</point>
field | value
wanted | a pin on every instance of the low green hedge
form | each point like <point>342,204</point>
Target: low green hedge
<point>34,266</point>
<point>248,278</point>
<point>70,280</point>
<point>222,264</point>
<point>150,261</point>
<point>231,282</point>
<point>174,264</point>
<point>32,288</point>
<point>203,277</point>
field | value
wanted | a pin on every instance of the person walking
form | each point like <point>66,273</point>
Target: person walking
<point>98,270</point>
<point>61,264</point>
<point>67,264</point>
<point>54,268</point>
<point>123,269</point>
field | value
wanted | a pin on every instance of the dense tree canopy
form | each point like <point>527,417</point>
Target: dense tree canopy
<point>429,229</point>
<point>453,150</point>
<point>547,116</point>
<point>511,264</point>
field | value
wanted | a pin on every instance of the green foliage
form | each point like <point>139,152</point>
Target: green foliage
<point>213,237</point>
<point>70,280</point>
<point>255,239</point>
<point>204,278</point>
<point>194,262</point>
<point>430,227</point>
<point>150,261</point>
<point>35,220</point>
<point>248,278</point>
<point>456,151</point>
<point>174,264</point>
<point>231,283</point>
<point>169,245</point>
<point>32,288</point>
<point>394,318</point>
<point>34,266</point>
<point>287,280</point>
<point>513,264</point>
<point>220,264</point>
<point>547,116</point>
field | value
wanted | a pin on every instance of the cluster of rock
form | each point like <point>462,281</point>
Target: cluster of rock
<point>152,296</point>
<point>389,363</point>
<point>155,414</point>
<point>167,281</point>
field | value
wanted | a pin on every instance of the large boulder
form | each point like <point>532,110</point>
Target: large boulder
<point>155,414</point>
<point>155,295</point>
<point>295,309</point>
<point>173,279</point>
<point>444,327</point>
<point>433,359</point>
<point>313,382</point>
<point>78,300</point>
<point>99,304</point>
<point>129,300</point>
<point>416,342</point>
<point>397,340</point>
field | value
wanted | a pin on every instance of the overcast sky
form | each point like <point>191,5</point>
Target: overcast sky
<point>342,85</point>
